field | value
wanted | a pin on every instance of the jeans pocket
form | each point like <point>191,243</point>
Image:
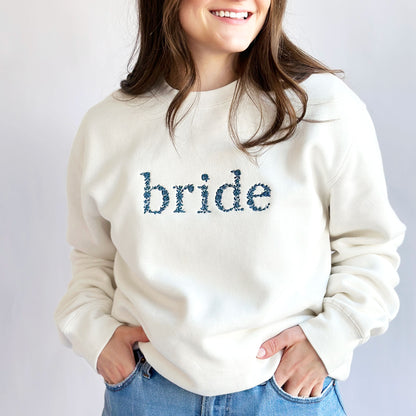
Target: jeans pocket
<point>328,387</point>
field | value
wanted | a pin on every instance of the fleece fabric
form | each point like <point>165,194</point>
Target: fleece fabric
<point>214,252</point>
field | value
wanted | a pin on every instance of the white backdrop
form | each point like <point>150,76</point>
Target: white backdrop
<point>58,59</point>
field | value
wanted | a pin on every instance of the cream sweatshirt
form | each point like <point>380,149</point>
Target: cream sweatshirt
<point>213,254</point>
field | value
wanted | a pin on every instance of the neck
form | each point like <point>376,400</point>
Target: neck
<point>213,72</point>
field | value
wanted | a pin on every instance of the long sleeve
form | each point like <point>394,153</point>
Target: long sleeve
<point>83,316</point>
<point>365,233</point>
<point>210,252</point>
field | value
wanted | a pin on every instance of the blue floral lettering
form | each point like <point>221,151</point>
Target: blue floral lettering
<point>204,194</point>
<point>251,195</point>
<point>148,194</point>
<point>179,196</point>
<point>236,191</point>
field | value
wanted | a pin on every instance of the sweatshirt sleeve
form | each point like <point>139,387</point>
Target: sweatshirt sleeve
<point>365,233</point>
<point>83,316</point>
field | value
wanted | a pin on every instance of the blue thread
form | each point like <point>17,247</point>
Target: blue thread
<point>236,192</point>
<point>148,194</point>
<point>250,196</point>
<point>204,194</point>
<point>179,196</point>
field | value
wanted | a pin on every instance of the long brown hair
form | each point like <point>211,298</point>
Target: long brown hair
<point>271,64</point>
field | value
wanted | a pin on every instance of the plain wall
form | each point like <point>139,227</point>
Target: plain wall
<point>60,58</point>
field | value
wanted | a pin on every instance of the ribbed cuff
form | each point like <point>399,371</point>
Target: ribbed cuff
<point>334,336</point>
<point>89,338</point>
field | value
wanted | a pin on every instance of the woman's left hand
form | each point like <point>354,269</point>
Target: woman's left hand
<point>300,371</point>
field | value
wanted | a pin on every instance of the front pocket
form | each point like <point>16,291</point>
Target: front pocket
<point>123,383</point>
<point>329,385</point>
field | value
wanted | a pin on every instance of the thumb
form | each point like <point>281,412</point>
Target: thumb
<point>283,340</point>
<point>136,334</point>
<point>272,346</point>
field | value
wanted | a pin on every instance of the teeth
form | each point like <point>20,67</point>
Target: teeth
<point>231,15</point>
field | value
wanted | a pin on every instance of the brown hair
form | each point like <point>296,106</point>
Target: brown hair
<point>271,64</point>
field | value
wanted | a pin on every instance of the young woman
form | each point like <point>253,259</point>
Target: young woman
<point>232,237</point>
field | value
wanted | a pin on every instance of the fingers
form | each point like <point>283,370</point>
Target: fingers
<point>305,391</point>
<point>308,390</point>
<point>317,390</point>
<point>300,372</point>
<point>301,388</point>
<point>294,388</point>
<point>281,379</point>
<point>116,361</point>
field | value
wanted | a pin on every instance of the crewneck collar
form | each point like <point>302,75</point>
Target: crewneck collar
<point>203,99</point>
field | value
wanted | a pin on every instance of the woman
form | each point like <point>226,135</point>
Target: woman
<point>233,239</point>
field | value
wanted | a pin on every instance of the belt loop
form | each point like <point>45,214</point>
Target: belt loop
<point>145,367</point>
<point>147,373</point>
<point>138,355</point>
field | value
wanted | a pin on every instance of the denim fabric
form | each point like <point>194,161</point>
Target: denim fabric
<point>146,393</point>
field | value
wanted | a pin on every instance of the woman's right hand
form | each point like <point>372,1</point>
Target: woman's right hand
<point>116,360</point>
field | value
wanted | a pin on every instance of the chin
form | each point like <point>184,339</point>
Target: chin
<point>237,47</point>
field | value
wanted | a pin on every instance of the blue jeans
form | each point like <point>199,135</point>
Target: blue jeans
<point>146,393</point>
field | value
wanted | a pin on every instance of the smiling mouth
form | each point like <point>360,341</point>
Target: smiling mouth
<point>231,15</point>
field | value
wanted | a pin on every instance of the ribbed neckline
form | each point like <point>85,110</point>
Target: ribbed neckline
<point>203,99</point>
